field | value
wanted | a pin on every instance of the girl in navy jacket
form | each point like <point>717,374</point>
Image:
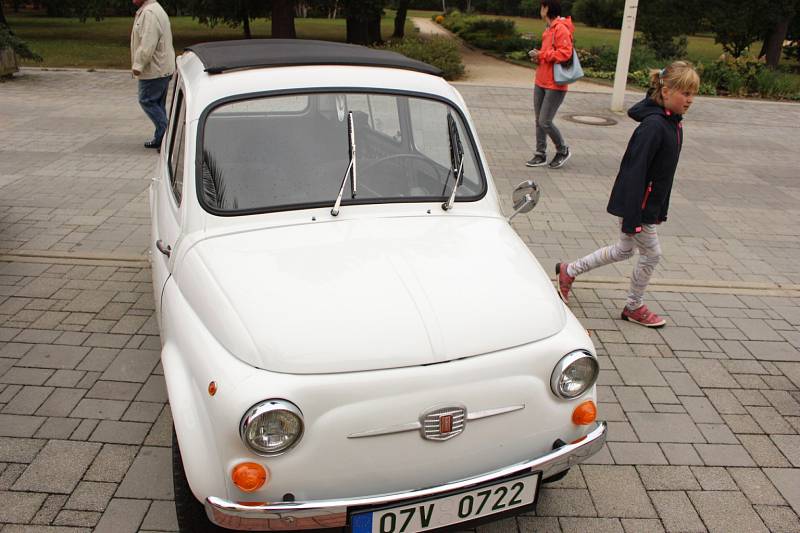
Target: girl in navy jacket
<point>640,196</point>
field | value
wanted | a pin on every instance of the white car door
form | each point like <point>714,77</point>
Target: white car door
<point>167,194</point>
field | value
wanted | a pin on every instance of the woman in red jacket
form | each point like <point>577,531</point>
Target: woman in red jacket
<point>547,94</point>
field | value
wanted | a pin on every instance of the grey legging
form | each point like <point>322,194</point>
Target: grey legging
<point>545,105</point>
<point>649,254</point>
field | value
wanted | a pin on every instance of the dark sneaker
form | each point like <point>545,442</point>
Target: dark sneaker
<point>564,281</point>
<point>153,144</point>
<point>559,159</point>
<point>643,316</point>
<point>539,160</point>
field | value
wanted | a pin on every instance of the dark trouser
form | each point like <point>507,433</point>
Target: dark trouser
<point>153,99</point>
<point>545,104</point>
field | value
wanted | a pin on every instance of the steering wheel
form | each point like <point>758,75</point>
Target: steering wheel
<point>432,164</point>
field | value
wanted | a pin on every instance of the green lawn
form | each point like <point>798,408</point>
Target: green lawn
<point>105,44</point>
<point>700,48</point>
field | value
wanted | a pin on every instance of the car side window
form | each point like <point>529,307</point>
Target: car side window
<point>176,148</point>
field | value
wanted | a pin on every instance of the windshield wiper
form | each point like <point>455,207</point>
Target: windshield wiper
<point>456,159</point>
<point>351,167</point>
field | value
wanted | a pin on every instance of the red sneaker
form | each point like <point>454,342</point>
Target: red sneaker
<point>564,281</point>
<point>644,317</point>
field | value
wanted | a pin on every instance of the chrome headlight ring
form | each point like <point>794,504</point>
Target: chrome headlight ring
<point>574,374</point>
<point>280,412</point>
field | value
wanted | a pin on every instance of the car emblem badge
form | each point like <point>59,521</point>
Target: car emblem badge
<point>443,423</point>
<point>446,424</point>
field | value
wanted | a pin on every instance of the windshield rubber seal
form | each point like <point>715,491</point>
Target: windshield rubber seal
<point>198,162</point>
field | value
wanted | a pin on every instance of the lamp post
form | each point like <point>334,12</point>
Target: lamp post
<point>624,54</point>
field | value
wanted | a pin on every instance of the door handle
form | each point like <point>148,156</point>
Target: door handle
<point>165,249</point>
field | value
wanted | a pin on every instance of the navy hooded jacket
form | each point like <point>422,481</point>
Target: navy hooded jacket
<point>644,182</point>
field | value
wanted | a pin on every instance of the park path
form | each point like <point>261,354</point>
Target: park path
<point>482,69</point>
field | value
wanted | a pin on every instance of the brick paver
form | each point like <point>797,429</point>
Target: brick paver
<point>705,414</point>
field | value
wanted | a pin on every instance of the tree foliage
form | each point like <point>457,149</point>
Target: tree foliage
<point>663,22</point>
<point>739,23</point>
<point>233,13</point>
<point>599,13</point>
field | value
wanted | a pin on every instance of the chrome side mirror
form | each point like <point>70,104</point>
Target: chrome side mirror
<point>525,198</point>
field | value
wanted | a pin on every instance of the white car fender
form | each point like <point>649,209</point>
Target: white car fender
<point>191,419</point>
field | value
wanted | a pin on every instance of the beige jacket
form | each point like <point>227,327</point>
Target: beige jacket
<point>151,42</point>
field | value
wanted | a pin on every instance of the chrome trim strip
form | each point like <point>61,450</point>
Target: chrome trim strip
<point>333,513</point>
<point>400,428</point>
<point>416,426</point>
<point>494,412</point>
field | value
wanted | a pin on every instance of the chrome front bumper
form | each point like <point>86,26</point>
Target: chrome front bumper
<point>283,516</point>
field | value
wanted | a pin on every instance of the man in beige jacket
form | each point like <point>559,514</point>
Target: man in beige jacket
<point>153,63</point>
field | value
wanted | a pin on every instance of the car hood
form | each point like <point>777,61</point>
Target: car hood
<point>352,295</point>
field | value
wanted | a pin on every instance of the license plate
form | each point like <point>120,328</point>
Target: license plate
<point>448,510</point>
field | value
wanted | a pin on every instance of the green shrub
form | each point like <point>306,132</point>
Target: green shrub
<point>765,82</point>
<point>598,74</point>
<point>665,46</point>
<point>643,58</point>
<point>707,89</point>
<point>9,40</point>
<point>746,76</point>
<point>518,55</point>
<point>500,35</point>
<point>440,52</point>
<point>492,26</point>
<point>598,58</point>
<point>640,78</point>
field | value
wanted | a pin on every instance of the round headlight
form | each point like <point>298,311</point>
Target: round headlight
<point>574,374</point>
<point>272,427</point>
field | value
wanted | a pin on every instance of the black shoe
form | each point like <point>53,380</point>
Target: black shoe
<point>559,160</point>
<point>539,160</point>
<point>153,144</point>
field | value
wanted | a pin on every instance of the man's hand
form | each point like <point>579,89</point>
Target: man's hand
<point>534,55</point>
<point>136,72</point>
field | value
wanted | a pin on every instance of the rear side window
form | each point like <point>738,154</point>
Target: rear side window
<point>176,148</point>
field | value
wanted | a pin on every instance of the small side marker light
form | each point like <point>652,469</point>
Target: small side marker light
<point>584,414</point>
<point>212,388</point>
<point>249,477</point>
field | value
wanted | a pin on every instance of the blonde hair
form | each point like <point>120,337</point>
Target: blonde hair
<point>679,75</point>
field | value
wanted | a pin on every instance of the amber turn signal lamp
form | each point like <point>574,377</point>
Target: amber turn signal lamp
<point>584,414</point>
<point>212,388</point>
<point>249,477</point>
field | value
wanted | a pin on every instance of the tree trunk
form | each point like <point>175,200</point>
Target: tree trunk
<point>283,19</point>
<point>400,19</point>
<point>357,31</point>
<point>374,30</point>
<point>246,26</point>
<point>773,44</point>
<point>3,21</point>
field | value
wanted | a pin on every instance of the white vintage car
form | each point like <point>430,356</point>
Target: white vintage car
<point>354,336</point>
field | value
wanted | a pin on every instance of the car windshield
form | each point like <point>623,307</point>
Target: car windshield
<point>292,151</point>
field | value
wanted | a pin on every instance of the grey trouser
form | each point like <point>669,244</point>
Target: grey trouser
<point>545,104</point>
<point>649,254</point>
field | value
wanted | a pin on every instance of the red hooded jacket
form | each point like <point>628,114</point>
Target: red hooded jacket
<point>556,48</point>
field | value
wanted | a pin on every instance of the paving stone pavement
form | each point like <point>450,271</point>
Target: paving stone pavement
<point>704,415</point>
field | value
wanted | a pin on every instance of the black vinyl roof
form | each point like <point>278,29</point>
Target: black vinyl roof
<point>222,56</point>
